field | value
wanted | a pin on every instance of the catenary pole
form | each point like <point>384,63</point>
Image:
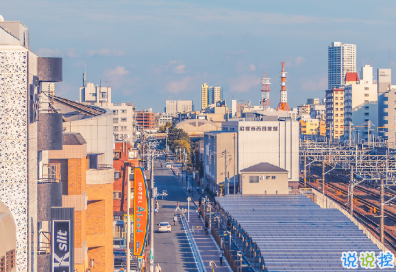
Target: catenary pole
<point>128,220</point>
<point>152,214</point>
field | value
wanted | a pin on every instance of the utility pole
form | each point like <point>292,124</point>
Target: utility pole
<point>323,182</point>
<point>235,175</point>
<point>305,169</point>
<point>128,221</point>
<point>382,210</point>
<point>225,173</point>
<point>352,185</point>
<point>152,214</point>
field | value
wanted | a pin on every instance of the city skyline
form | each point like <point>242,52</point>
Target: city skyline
<point>227,45</point>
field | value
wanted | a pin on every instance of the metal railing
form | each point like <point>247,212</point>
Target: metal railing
<point>194,247</point>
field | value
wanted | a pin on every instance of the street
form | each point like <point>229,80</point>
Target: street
<point>171,250</point>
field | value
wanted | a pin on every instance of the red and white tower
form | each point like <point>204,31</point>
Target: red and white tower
<point>283,92</point>
<point>265,92</point>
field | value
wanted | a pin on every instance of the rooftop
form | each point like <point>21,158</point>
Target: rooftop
<point>351,77</point>
<point>70,138</point>
<point>264,167</point>
<point>295,234</point>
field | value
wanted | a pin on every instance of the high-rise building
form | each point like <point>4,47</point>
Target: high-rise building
<point>341,60</point>
<point>335,113</point>
<point>178,106</point>
<point>210,95</point>
<point>145,120</point>
<point>386,105</point>
<point>204,96</point>
<point>360,104</point>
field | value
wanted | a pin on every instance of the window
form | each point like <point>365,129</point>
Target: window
<point>93,161</point>
<point>366,114</point>
<point>116,155</point>
<point>242,129</point>
<point>366,88</point>
<point>117,174</point>
<point>253,129</point>
<point>116,195</point>
<point>123,111</point>
<point>115,120</point>
<point>269,128</point>
<point>275,128</point>
<point>258,128</point>
<point>264,128</point>
<point>254,179</point>
<point>103,95</point>
<point>115,112</point>
<point>115,128</point>
<point>267,177</point>
<point>366,95</point>
<point>273,177</point>
<point>247,128</point>
<point>123,119</point>
<point>366,101</point>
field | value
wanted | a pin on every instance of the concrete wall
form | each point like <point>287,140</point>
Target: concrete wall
<point>266,185</point>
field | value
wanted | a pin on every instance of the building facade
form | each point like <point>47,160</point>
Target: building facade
<point>361,108</point>
<point>145,120</point>
<point>386,105</point>
<point>177,106</point>
<point>204,96</point>
<point>335,113</point>
<point>341,60</point>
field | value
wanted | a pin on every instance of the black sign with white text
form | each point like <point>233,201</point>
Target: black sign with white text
<point>61,246</point>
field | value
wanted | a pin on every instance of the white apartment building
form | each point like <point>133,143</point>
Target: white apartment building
<point>123,113</point>
<point>178,106</point>
<point>318,111</point>
<point>216,95</point>
<point>335,113</point>
<point>341,60</point>
<point>361,106</point>
<point>386,105</point>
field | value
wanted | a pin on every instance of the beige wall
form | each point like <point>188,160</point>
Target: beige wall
<point>279,185</point>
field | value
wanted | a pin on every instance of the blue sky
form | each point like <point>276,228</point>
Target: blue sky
<point>150,51</point>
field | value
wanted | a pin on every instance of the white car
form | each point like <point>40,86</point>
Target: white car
<point>168,165</point>
<point>164,227</point>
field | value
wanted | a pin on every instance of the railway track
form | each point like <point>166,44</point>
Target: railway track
<point>371,225</point>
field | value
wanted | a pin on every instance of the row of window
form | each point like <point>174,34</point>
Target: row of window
<point>256,179</point>
<point>115,112</point>
<point>121,128</point>
<point>258,128</point>
<point>115,120</point>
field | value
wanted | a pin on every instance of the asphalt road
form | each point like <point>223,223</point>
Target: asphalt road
<point>171,250</point>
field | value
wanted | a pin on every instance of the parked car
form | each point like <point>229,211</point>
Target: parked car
<point>119,243</point>
<point>164,227</point>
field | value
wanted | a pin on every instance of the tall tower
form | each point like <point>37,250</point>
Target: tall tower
<point>283,92</point>
<point>341,60</point>
<point>204,96</point>
<point>265,92</point>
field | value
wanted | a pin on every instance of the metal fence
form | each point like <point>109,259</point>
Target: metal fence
<point>193,245</point>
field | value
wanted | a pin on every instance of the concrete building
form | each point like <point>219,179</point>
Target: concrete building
<point>124,113</point>
<point>386,105</point>
<point>264,178</point>
<point>335,113</point>
<point>271,139</point>
<point>361,107</point>
<point>204,96</point>
<point>177,106</point>
<point>313,101</point>
<point>310,126</point>
<point>197,127</point>
<point>86,170</point>
<point>341,60</point>
<point>27,133</point>
<point>216,95</point>
<point>304,109</point>
<point>318,111</point>
<point>165,118</point>
<point>145,120</point>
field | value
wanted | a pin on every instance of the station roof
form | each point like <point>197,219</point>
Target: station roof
<point>295,234</point>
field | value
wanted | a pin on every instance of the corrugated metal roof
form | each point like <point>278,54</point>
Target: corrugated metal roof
<point>73,139</point>
<point>295,234</point>
<point>264,167</point>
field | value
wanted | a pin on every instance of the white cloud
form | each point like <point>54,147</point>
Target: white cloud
<point>179,69</point>
<point>71,53</point>
<point>252,67</point>
<point>116,76</point>
<point>105,52</point>
<point>311,85</point>
<point>244,83</point>
<point>178,86</point>
<point>295,62</point>
<point>47,52</point>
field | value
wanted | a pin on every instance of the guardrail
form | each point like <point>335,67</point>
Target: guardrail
<point>194,247</point>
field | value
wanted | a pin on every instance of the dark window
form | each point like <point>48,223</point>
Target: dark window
<point>275,128</point>
<point>258,128</point>
<point>93,161</point>
<point>116,195</point>
<point>264,128</point>
<point>273,177</point>
<point>242,128</point>
<point>269,128</point>
<point>267,177</point>
<point>253,129</point>
<point>254,179</point>
<point>117,175</point>
<point>247,128</point>
<point>116,155</point>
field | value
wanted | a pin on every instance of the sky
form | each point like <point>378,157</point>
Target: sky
<point>151,51</point>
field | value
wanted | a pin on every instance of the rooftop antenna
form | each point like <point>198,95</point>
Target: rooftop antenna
<point>283,106</point>
<point>389,59</point>
<point>85,76</point>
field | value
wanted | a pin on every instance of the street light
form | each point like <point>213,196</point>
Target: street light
<point>240,254</point>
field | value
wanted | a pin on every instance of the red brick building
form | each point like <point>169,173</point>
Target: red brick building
<point>123,154</point>
<point>145,120</point>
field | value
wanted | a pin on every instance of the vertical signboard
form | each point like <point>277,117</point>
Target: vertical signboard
<point>61,246</point>
<point>140,211</point>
